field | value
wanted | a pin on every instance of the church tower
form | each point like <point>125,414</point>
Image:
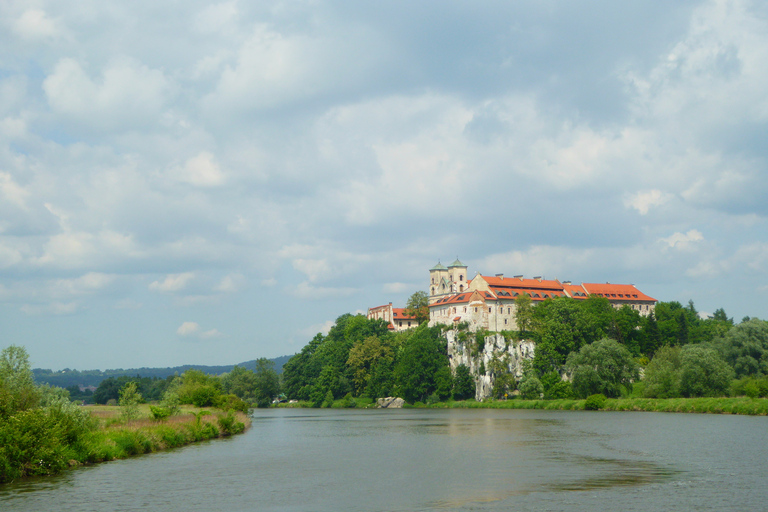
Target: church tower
<point>457,273</point>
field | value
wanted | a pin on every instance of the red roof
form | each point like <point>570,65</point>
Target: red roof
<point>616,291</point>
<point>519,282</point>
<point>399,313</point>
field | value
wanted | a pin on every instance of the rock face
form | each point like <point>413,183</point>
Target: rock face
<point>463,349</point>
<point>390,403</point>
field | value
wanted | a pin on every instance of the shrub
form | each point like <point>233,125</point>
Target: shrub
<point>348,402</point>
<point>594,402</point>
<point>531,388</point>
<point>229,425</point>
<point>603,367</point>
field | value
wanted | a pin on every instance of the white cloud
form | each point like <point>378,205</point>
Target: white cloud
<point>680,240</point>
<point>128,93</point>
<point>11,191</point>
<point>202,170</point>
<point>397,287</point>
<point>188,329</point>
<point>230,283</point>
<point>172,282</point>
<point>312,330</point>
<point>36,24</point>
<point>85,284</point>
<point>643,201</point>
<point>193,330</point>
<point>54,308</point>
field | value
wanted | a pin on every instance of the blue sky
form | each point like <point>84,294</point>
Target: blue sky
<point>208,183</point>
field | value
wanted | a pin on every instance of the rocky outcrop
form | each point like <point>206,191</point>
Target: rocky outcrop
<point>493,351</point>
<point>390,403</point>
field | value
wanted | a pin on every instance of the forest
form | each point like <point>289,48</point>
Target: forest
<point>599,348</point>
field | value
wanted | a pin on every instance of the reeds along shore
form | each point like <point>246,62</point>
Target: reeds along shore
<point>741,405</point>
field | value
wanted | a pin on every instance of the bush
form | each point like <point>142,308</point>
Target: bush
<point>531,388</point>
<point>594,402</point>
<point>229,425</point>
<point>603,367</point>
<point>348,402</point>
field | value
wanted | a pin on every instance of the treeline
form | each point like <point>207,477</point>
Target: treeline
<point>360,357</point>
<point>605,350</point>
<point>68,378</point>
<point>596,347</point>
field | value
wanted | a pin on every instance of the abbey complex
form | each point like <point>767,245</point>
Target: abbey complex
<point>488,302</point>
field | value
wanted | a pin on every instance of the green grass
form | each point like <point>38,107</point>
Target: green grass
<point>722,405</point>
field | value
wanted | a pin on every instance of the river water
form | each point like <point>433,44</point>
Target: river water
<point>423,460</point>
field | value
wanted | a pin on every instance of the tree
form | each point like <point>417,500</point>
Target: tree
<point>463,383</point>
<point>703,372</point>
<point>422,355</point>
<point>240,382</point>
<point>602,367</point>
<point>267,382</point>
<point>523,313</point>
<point>745,347</point>
<point>662,375</point>
<point>130,398</point>
<point>418,306</point>
<point>363,359</point>
<point>18,391</point>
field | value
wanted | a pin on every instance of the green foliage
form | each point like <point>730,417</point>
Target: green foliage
<point>463,383</point>
<point>595,402</point>
<point>267,382</point>
<point>159,413</point>
<point>422,356</point>
<point>555,387</point>
<point>348,402</point>
<point>523,313</point>
<point>602,367</point>
<point>704,372</point>
<point>751,387</point>
<point>228,424</point>
<point>530,388</point>
<point>418,306</point>
<point>130,398</point>
<point>662,375</point>
<point>745,347</point>
<point>17,384</point>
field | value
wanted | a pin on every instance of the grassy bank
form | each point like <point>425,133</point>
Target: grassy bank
<point>741,405</point>
<point>723,405</point>
<point>44,442</point>
<point>115,439</point>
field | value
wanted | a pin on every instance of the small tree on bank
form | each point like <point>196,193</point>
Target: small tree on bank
<point>602,367</point>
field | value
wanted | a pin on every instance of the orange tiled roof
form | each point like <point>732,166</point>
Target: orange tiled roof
<point>518,282</point>
<point>617,291</point>
<point>399,314</point>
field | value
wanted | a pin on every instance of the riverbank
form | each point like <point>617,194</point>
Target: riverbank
<point>46,447</point>
<point>719,405</point>
<point>115,439</point>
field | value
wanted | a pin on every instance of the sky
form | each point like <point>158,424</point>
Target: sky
<point>211,182</point>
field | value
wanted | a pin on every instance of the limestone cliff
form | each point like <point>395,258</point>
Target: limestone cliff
<point>488,357</point>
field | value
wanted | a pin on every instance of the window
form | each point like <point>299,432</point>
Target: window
<point>461,288</point>
<point>409,324</point>
<point>475,310</point>
<point>505,321</point>
<point>461,277</point>
<point>509,311</point>
<point>489,310</point>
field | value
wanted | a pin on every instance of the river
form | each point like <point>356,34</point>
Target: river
<point>423,460</point>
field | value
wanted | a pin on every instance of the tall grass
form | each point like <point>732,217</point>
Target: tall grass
<point>740,405</point>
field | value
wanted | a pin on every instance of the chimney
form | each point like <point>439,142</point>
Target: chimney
<point>537,278</point>
<point>520,277</point>
<point>567,283</point>
<point>500,276</point>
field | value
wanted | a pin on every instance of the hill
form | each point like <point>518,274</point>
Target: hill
<point>66,378</point>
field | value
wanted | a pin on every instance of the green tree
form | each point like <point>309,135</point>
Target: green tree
<point>267,382</point>
<point>18,391</point>
<point>363,359</point>
<point>130,398</point>
<point>418,306</point>
<point>602,367</point>
<point>523,313</point>
<point>530,388</point>
<point>240,382</point>
<point>422,355</point>
<point>703,372</point>
<point>745,347</point>
<point>662,375</point>
<point>463,383</point>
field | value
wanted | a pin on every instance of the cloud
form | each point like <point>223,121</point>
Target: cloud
<point>230,283</point>
<point>643,201</point>
<point>11,191</point>
<point>85,284</point>
<point>172,282</point>
<point>682,240</point>
<point>36,24</point>
<point>54,308</point>
<point>201,170</point>
<point>312,330</point>
<point>193,330</point>
<point>128,94</point>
